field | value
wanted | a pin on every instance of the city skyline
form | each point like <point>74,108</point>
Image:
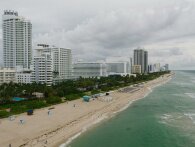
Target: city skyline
<point>88,27</point>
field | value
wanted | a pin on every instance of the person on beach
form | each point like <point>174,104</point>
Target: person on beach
<point>21,121</point>
<point>49,112</point>
<point>74,105</point>
<point>45,145</point>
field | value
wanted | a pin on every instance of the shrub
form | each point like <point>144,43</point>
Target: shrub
<point>4,114</point>
<point>95,92</point>
<point>36,104</point>
<point>53,100</point>
<point>73,97</point>
<point>105,89</point>
<point>16,109</point>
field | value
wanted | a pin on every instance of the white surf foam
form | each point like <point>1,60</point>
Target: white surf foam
<point>166,116</point>
<point>191,95</point>
<point>84,129</point>
<point>191,116</point>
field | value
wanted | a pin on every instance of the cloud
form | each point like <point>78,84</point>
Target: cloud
<point>95,30</point>
<point>166,52</point>
<point>114,32</point>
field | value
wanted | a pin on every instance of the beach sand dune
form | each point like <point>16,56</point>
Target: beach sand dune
<point>65,120</point>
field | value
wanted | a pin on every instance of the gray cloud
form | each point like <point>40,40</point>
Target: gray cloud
<point>98,29</point>
<point>167,52</point>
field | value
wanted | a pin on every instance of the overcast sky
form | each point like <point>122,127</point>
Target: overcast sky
<point>94,29</point>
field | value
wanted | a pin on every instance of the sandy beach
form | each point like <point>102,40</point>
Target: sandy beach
<point>68,119</point>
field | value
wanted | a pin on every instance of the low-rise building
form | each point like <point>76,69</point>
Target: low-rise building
<point>38,94</point>
<point>137,69</point>
<point>118,66</point>
<point>89,69</point>
<point>23,75</point>
<point>7,75</point>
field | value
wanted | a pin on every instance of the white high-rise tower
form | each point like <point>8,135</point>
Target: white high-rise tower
<point>17,40</point>
<point>52,61</point>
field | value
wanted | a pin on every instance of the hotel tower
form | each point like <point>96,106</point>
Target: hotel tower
<point>17,40</point>
<point>141,58</point>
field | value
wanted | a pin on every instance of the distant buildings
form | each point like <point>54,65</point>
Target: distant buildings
<point>141,58</point>
<point>52,64</point>
<point>111,66</point>
<point>157,67</point>
<point>118,66</point>
<point>136,69</point>
<point>89,69</point>
<point>166,67</point>
<point>7,75</point>
<point>17,40</point>
<point>150,68</point>
<point>141,61</point>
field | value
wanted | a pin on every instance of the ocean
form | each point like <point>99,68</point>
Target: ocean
<point>164,118</point>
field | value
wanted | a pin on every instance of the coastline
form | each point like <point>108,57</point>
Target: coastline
<point>66,142</point>
<point>66,123</point>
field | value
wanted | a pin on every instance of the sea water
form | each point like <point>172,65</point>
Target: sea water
<point>164,118</point>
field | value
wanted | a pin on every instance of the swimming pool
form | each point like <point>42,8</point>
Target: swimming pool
<point>17,99</point>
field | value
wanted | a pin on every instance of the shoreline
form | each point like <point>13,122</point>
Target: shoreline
<point>66,122</point>
<point>104,118</point>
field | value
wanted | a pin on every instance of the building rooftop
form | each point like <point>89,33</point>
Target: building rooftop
<point>10,12</point>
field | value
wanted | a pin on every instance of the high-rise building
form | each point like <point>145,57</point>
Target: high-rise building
<point>141,58</point>
<point>61,59</point>
<point>42,71</point>
<point>62,62</point>
<point>150,68</point>
<point>157,67</point>
<point>145,62</point>
<point>131,64</point>
<point>17,40</point>
<point>166,67</point>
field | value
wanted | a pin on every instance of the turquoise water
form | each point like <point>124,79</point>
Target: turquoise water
<point>165,118</point>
